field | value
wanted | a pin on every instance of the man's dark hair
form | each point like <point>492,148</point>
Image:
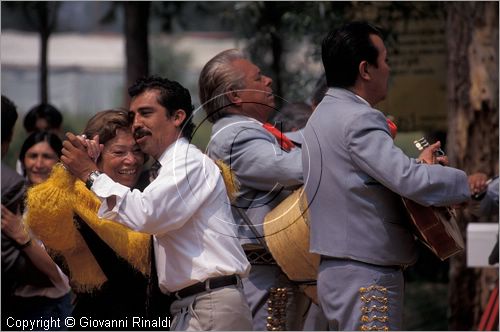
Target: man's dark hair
<point>9,118</point>
<point>48,112</point>
<point>173,96</point>
<point>344,48</point>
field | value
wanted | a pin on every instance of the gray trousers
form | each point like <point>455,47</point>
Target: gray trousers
<point>357,296</point>
<point>315,319</point>
<point>221,309</point>
<point>285,309</point>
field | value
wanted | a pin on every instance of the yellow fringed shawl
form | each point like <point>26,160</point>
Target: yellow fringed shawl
<point>230,180</point>
<point>50,209</point>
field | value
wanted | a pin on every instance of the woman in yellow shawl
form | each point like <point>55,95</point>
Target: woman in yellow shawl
<point>110,266</point>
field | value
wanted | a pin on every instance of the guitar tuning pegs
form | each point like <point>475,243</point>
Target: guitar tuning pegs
<point>421,143</point>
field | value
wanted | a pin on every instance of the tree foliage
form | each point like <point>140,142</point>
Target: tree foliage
<point>41,16</point>
<point>136,30</point>
<point>274,32</point>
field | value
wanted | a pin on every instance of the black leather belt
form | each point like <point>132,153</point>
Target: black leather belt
<point>396,267</point>
<point>209,284</point>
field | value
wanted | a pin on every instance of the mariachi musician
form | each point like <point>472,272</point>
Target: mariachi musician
<point>358,222</point>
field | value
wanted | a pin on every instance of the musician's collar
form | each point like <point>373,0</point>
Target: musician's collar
<point>363,100</point>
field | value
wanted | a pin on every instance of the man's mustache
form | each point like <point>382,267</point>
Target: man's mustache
<point>141,132</point>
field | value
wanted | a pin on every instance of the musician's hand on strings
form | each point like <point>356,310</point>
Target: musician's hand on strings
<point>478,183</point>
<point>428,155</point>
<point>442,160</point>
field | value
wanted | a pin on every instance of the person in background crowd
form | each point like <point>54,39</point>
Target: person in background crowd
<point>12,183</point>
<point>291,119</point>
<point>292,116</point>
<point>39,153</point>
<point>485,192</point>
<point>42,117</point>
<point>357,219</point>
<point>33,286</point>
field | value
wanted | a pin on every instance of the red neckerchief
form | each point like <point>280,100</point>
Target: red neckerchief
<point>392,128</point>
<point>283,141</point>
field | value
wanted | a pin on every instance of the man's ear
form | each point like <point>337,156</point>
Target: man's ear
<point>234,97</point>
<point>364,71</point>
<point>178,117</point>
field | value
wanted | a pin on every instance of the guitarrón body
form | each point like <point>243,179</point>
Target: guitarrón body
<point>436,227</point>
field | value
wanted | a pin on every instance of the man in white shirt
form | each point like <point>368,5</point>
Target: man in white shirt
<point>199,259</point>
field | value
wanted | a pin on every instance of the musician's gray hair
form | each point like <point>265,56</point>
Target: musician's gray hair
<point>217,78</point>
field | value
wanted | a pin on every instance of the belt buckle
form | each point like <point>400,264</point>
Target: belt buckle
<point>260,257</point>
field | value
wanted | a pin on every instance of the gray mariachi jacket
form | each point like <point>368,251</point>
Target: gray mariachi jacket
<point>266,172</point>
<point>354,177</point>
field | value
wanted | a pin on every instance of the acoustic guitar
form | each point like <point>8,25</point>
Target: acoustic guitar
<point>436,227</point>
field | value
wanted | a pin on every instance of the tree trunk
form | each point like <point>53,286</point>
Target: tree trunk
<point>136,42</point>
<point>272,16</point>
<point>277,51</point>
<point>43,14</point>
<point>472,36</point>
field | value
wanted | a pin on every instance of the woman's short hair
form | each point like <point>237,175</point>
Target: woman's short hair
<point>106,124</point>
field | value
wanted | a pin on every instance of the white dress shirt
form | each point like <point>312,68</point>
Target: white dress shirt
<point>187,210</point>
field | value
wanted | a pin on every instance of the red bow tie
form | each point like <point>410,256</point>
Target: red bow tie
<point>392,128</point>
<point>284,141</point>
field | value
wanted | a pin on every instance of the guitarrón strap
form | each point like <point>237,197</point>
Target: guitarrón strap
<point>247,221</point>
